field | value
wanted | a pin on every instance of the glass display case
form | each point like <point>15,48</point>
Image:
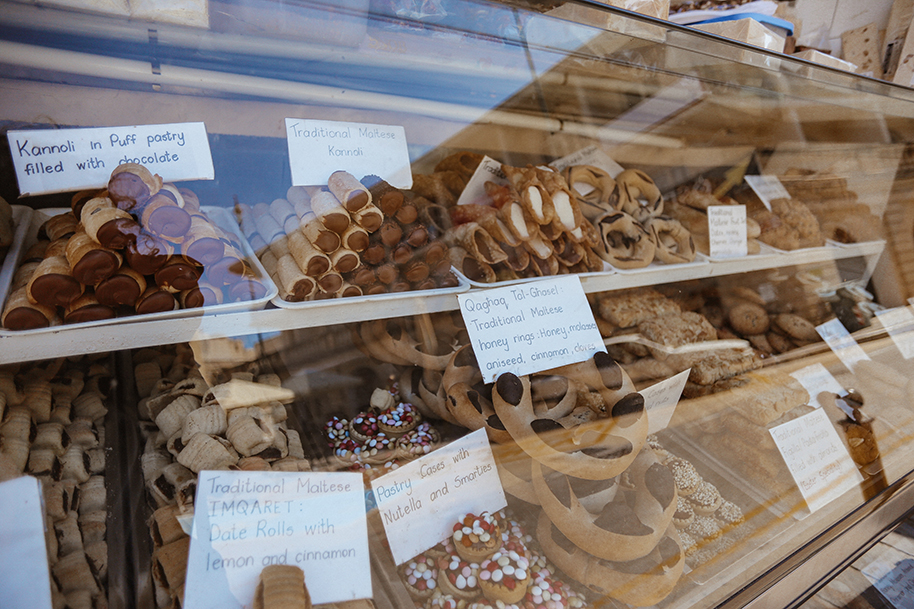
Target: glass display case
<point>651,282</point>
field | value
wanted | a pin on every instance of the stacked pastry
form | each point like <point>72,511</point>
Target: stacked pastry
<point>140,246</point>
<point>841,217</point>
<point>346,239</point>
<point>690,207</point>
<point>54,430</point>
<point>188,427</point>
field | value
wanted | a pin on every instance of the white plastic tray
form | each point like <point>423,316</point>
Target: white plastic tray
<point>608,270</point>
<point>222,218</point>
<point>22,220</point>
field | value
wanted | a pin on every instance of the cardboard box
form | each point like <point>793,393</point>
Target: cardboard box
<point>746,30</point>
<point>825,59</point>
<point>862,47</point>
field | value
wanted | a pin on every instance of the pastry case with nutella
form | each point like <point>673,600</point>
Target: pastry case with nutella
<point>353,245</point>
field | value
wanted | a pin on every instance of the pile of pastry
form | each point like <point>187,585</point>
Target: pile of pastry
<point>379,439</point>
<point>348,238</point>
<point>841,216</point>
<point>188,427</point>
<point>53,429</point>
<point>690,206</point>
<point>139,246</point>
<point>489,561</point>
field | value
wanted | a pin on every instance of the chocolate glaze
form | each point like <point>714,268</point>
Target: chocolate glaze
<point>127,190</point>
<point>619,447</point>
<point>390,202</point>
<point>400,286</point>
<point>206,250</point>
<point>25,318</point>
<point>317,266</point>
<point>541,426</point>
<point>374,254</point>
<point>356,201</point>
<point>363,276</point>
<point>357,241</point>
<point>495,423</point>
<point>402,254</point>
<point>388,273</point>
<point>118,233</point>
<point>416,271</point>
<point>328,241</point>
<point>169,220</point>
<point>156,302</point>
<point>146,254</point>
<point>331,282</point>
<point>95,266</point>
<point>390,233</point>
<point>407,214</point>
<point>510,388</point>
<point>56,290</point>
<point>632,404</point>
<point>417,236</point>
<point>376,289</point>
<point>177,274</point>
<point>347,263</point>
<point>118,290</point>
<point>199,296</point>
<point>92,312</point>
<point>435,252</point>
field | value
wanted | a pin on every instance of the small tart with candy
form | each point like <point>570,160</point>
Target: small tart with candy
<point>458,577</point>
<point>477,537</point>
<point>347,451</point>
<point>504,577</point>
<point>363,426</point>
<point>378,449</point>
<point>547,591</point>
<point>399,419</point>
<point>418,442</point>
<point>442,600</point>
<point>336,430</point>
<point>420,575</point>
<point>706,499</point>
<point>684,514</point>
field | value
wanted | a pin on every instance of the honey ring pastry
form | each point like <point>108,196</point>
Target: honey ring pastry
<point>674,241</point>
<point>624,243</point>
<point>473,411</point>
<point>594,450</point>
<point>597,200</point>
<point>553,397</point>
<point>641,582</point>
<point>620,531</point>
<point>514,472</point>
<point>461,368</point>
<point>409,390</point>
<point>395,339</point>
<point>366,340</point>
<point>632,185</point>
<point>436,401</point>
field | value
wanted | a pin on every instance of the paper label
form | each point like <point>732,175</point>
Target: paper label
<point>530,327</point>
<point>899,323</point>
<point>489,170</point>
<point>24,575</point>
<point>660,400</point>
<point>767,188</point>
<point>841,343</point>
<point>897,585</point>
<point>816,458</point>
<point>245,521</point>
<point>592,155</point>
<point>318,148</point>
<point>420,501</point>
<point>59,160</point>
<point>727,231</point>
<point>816,379</point>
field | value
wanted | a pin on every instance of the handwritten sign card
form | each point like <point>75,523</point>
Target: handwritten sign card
<point>841,343</point>
<point>489,170</point>
<point>420,502</point>
<point>530,327</point>
<point>24,559</point>
<point>58,160</point>
<point>245,521</point>
<point>660,400</point>
<point>899,323</point>
<point>727,231</point>
<point>816,379</point>
<point>895,582</point>
<point>592,155</point>
<point>318,148</point>
<point>768,188</point>
<point>816,458</point>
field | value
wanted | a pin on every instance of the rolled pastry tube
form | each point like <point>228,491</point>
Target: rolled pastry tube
<point>390,233</point>
<point>191,201</point>
<point>131,185</point>
<point>245,216</point>
<point>155,300</point>
<point>163,216</point>
<point>52,283</point>
<point>375,289</point>
<point>344,260</point>
<point>470,267</point>
<point>56,227</point>
<point>201,295</point>
<point>348,290</point>
<point>37,251</point>
<point>400,286</point>
<point>89,405</point>
<point>247,287</point>
<point>355,238</point>
<point>518,221</point>
<point>284,214</point>
<point>203,243</point>
<point>20,314</point>
<point>330,212</point>
<point>330,282</point>
<point>267,226</point>
<point>147,254</point>
<point>363,276</point>
<point>348,191</point>
<point>442,270</point>
<point>533,195</point>
<point>23,274</point>
<point>280,246</point>
<point>122,288</point>
<point>386,197</point>
<point>416,271</point>
<point>89,262</point>
<point>80,198</point>
<point>87,308</point>
<point>57,247</point>
<point>434,252</point>
<point>388,273</point>
<point>369,217</point>
<point>539,247</point>
<point>415,235</point>
<point>475,240</point>
<point>322,238</point>
<point>107,224</point>
<point>402,254</point>
<point>177,274</point>
<point>407,214</point>
<point>311,261</point>
<point>298,195</point>
<point>231,266</point>
<point>374,254</point>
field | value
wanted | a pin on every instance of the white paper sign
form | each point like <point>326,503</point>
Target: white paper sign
<point>245,521</point>
<point>58,160</point>
<point>24,576</point>
<point>530,327</point>
<point>318,148</point>
<point>817,379</point>
<point>897,585</point>
<point>841,343</point>
<point>899,323</point>
<point>660,400</point>
<point>489,170</point>
<point>420,501</point>
<point>593,156</point>
<point>767,188</point>
<point>727,231</point>
<point>816,458</point>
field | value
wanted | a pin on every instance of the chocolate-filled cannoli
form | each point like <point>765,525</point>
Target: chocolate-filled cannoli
<point>147,254</point>
<point>20,314</point>
<point>155,300</point>
<point>56,227</point>
<point>400,286</point>
<point>284,214</point>
<point>203,243</point>
<point>407,214</point>
<point>434,252</point>
<point>415,235</point>
<point>52,283</point>
<point>37,251</point>
<point>122,288</point>
<point>131,185</point>
<point>402,254</point>
<point>202,295</point>
<point>177,274</point>
<point>363,276</point>
<point>374,254</point>
<point>247,287</point>
<point>375,289</point>
<point>80,198</point>
<point>355,238</point>
<point>388,273</point>
<point>320,236</point>
<point>311,261</point>
<point>330,212</point>
<point>533,195</point>
<point>23,274</point>
<point>89,262</point>
<point>330,282</point>
<point>470,267</point>
<point>348,191</point>
<point>87,308</point>
<point>231,266</point>
<point>191,201</point>
<point>475,240</point>
<point>164,216</point>
<point>568,252</point>
<point>344,260</point>
<point>349,290</point>
<point>108,225</point>
<point>369,218</point>
<point>390,233</point>
<point>386,197</point>
<point>295,285</point>
<point>416,271</point>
